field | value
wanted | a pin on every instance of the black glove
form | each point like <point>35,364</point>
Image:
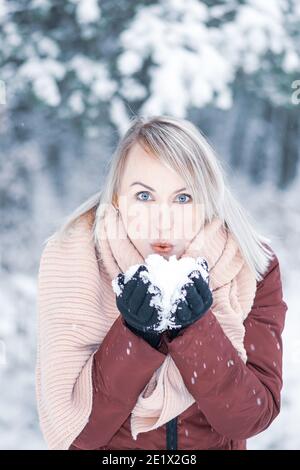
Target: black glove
<point>133,303</point>
<point>196,303</point>
<point>151,337</point>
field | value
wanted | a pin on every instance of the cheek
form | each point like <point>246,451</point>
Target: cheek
<point>198,217</point>
<point>136,219</point>
<point>187,222</point>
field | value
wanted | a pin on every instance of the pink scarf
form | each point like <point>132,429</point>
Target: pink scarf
<point>76,308</point>
<point>233,285</point>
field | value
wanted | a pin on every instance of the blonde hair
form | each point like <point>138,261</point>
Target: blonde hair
<point>181,145</point>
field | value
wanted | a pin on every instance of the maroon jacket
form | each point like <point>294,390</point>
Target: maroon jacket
<point>231,403</point>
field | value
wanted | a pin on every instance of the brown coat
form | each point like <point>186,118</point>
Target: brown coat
<point>233,400</point>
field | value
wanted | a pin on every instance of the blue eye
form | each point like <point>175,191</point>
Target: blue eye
<point>147,194</point>
<point>185,195</point>
<point>142,192</point>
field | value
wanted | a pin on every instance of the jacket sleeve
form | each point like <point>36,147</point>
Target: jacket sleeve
<point>239,400</point>
<point>122,366</point>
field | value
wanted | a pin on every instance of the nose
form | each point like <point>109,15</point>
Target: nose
<point>163,221</point>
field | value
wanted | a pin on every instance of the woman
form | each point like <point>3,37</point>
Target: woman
<point>106,378</point>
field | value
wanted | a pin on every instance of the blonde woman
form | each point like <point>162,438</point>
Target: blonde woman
<point>106,376</point>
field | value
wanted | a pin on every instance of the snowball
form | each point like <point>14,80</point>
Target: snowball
<point>168,275</point>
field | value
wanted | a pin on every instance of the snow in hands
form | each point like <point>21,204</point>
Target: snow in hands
<point>166,280</point>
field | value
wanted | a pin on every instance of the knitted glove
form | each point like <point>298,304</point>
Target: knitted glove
<point>194,301</point>
<point>134,302</point>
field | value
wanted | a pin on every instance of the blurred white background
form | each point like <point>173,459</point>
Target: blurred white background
<point>72,74</point>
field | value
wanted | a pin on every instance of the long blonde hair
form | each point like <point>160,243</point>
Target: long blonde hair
<point>181,145</point>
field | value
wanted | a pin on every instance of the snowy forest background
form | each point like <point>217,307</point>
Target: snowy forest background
<point>72,74</point>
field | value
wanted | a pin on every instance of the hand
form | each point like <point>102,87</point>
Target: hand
<point>194,301</point>
<point>135,303</point>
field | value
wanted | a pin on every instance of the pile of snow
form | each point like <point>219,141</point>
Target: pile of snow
<point>167,278</point>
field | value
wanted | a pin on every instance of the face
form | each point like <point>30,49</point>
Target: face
<point>156,205</point>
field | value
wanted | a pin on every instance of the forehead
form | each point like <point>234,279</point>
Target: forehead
<point>147,168</point>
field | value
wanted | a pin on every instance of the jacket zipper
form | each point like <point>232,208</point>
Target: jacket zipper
<point>171,434</point>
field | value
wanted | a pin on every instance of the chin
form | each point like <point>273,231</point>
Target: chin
<point>166,256</point>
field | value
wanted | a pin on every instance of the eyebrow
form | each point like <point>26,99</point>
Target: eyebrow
<point>152,189</point>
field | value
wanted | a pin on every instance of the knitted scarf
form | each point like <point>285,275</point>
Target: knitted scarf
<point>76,308</point>
<point>233,285</point>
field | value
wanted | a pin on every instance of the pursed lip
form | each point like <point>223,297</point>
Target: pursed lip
<point>162,247</point>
